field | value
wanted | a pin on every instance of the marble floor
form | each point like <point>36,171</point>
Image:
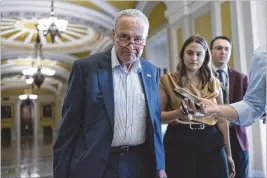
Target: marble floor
<point>32,158</point>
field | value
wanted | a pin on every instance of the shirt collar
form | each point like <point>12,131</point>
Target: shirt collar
<point>225,69</point>
<point>115,62</point>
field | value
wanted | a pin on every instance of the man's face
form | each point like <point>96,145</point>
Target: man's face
<point>221,52</point>
<point>130,38</point>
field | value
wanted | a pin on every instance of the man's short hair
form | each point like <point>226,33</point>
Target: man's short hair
<point>218,38</point>
<point>132,13</point>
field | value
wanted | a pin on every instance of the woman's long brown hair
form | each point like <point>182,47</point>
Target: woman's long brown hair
<point>205,71</point>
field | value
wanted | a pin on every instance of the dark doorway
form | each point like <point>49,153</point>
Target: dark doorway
<point>26,121</point>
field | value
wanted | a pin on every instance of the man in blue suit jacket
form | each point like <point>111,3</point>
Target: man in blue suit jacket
<point>111,113</point>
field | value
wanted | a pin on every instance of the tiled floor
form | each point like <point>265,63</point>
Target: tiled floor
<point>33,159</point>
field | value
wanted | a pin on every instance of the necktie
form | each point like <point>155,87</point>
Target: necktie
<point>221,78</point>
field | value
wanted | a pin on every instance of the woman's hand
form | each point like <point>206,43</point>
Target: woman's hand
<point>186,113</point>
<point>231,166</point>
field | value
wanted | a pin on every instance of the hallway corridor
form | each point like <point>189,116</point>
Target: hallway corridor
<point>42,40</point>
<point>33,160</point>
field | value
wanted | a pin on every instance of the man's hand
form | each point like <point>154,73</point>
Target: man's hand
<point>209,106</point>
<point>161,174</point>
<point>206,106</point>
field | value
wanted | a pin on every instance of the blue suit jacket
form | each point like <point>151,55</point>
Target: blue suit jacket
<point>86,131</point>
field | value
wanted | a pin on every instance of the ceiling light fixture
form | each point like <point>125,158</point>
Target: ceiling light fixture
<point>28,95</point>
<point>36,71</point>
<point>52,25</point>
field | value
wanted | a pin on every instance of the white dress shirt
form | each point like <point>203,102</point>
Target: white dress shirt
<point>130,104</point>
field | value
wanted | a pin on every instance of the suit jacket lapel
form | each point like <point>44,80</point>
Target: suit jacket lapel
<point>105,80</point>
<point>231,84</point>
<point>147,83</point>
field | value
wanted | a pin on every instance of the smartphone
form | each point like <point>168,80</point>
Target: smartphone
<point>187,95</point>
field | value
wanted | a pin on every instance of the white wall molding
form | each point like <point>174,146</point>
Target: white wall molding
<point>110,9</point>
<point>155,37</point>
<point>238,36</point>
<point>198,10</point>
<point>216,20</point>
<point>141,5</point>
<point>188,29</point>
<point>173,54</point>
<point>258,11</point>
<point>248,26</point>
<point>176,11</point>
<point>147,6</point>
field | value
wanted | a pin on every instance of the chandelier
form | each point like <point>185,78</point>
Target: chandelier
<point>29,80</point>
<point>28,95</point>
<point>36,73</point>
<point>52,25</point>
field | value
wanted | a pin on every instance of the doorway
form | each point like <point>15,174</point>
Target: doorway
<point>26,121</point>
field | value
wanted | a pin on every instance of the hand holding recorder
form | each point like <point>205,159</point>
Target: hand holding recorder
<point>193,105</point>
<point>207,107</point>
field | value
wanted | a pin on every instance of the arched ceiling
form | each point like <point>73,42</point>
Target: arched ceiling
<point>88,32</point>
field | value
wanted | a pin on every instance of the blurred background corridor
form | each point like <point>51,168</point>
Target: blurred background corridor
<point>37,56</point>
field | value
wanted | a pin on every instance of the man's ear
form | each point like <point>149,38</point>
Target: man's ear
<point>145,40</point>
<point>113,32</point>
<point>144,43</point>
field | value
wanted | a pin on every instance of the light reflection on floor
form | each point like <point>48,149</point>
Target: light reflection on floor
<point>32,160</point>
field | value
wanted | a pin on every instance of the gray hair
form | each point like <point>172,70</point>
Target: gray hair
<point>132,13</point>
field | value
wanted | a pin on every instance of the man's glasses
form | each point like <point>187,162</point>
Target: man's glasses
<point>220,48</point>
<point>125,40</point>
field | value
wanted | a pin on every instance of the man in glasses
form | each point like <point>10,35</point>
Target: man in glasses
<point>111,113</point>
<point>233,85</point>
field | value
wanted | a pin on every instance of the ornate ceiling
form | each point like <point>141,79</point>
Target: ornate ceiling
<point>88,32</point>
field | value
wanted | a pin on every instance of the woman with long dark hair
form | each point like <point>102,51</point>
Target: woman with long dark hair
<point>195,147</point>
